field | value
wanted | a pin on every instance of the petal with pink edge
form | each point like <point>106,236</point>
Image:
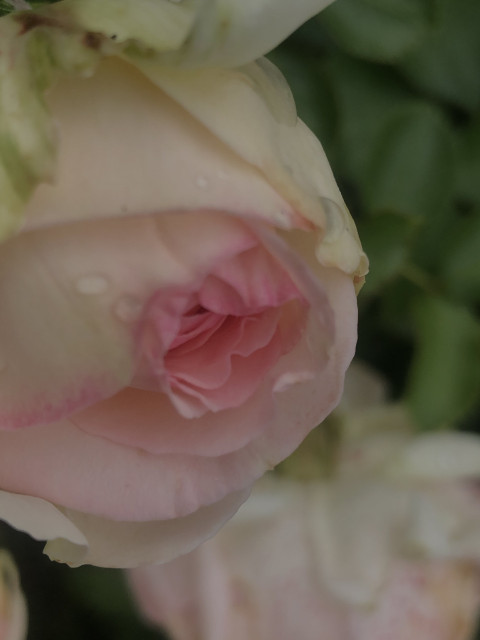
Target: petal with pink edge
<point>138,418</point>
<point>65,342</point>
<point>97,476</point>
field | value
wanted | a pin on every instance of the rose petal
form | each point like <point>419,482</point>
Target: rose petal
<point>78,538</point>
<point>13,608</point>
<point>440,456</point>
<point>130,544</point>
<point>211,366</point>
<point>60,350</point>
<point>65,342</point>
<point>248,30</point>
<point>94,475</point>
<point>255,281</point>
<point>268,136</point>
<point>99,477</point>
<point>355,528</point>
<point>41,519</point>
<point>148,420</point>
<point>428,600</point>
<point>179,164</point>
<point>245,376</point>
<point>218,592</point>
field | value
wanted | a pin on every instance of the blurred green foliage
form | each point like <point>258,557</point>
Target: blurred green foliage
<point>392,88</point>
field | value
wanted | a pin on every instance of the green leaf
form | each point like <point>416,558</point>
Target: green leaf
<point>379,30</point>
<point>395,311</point>
<point>461,266</point>
<point>366,98</point>
<point>5,7</point>
<point>313,97</point>
<point>412,164</point>
<point>386,241</point>
<point>434,237</point>
<point>468,174</point>
<point>444,380</point>
<point>447,64</point>
<point>9,6</point>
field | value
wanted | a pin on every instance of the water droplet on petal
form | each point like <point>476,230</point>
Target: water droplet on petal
<point>201,182</point>
<point>128,309</point>
<point>92,284</point>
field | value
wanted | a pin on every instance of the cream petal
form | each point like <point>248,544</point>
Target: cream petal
<point>13,609</point>
<point>65,342</point>
<point>119,544</point>
<point>251,111</point>
<point>60,346</point>
<point>439,456</point>
<point>355,530</point>
<point>95,475</point>
<point>218,591</point>
<point>141,154</point>
<point>445,520</point>
<point>231,33</point>
<point>41,519</point>
<point>428,600</point>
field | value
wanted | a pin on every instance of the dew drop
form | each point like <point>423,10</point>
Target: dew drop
<point>92,284</point>
<point>128,309</point>
<point>201,182</point>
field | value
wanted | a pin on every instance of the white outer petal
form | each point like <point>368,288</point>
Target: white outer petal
<point>77,538</point>
<point>233,32</point>
<point>440,456</point>
<point>141,154</point>
<point>445,521</point>
<point>354,532</point>
<point>251,111</point>
<point>13,609</point>
<point>126,545</point>
<point>224,33</point>
<point>41,519</point>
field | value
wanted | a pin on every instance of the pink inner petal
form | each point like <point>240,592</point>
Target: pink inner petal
<point>248,283</point>
<point>189,341</point>
<point>244,378</point>
<point>209,366</point>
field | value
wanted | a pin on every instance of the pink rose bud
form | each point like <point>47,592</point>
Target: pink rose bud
<point>13,612</point>
<point>178,306</point>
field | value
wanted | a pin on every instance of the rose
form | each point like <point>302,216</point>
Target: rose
<point>387,546</point>
<point>13,611</point>
<point>178,309</point>
<point>217,590</point>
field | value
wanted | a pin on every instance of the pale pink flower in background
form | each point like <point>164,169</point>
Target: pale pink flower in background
<point>386,547</point>
<point>178,308</point>
<point>13,611</point>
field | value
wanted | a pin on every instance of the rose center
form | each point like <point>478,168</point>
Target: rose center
<point>211,349</point>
